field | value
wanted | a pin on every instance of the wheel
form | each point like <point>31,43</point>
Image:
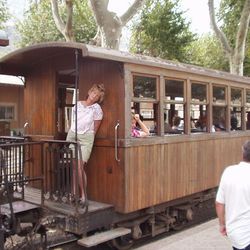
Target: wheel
<point>123,242</point>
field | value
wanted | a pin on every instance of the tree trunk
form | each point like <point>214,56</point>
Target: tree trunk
<point>65,28</point>
<point>235,55</point>
<point>110,25</point>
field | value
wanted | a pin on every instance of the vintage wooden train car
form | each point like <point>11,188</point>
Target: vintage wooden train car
<point>154,183</point>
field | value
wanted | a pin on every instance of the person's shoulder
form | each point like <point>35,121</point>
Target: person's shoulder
<point>97,105</point>
<point>233,168</point>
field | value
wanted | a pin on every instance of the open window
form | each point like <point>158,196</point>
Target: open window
<point>247,114</point>
<point>174,107</point>
<point>236,109</point>
<point>219,110</point>
<point>145,100</point>
<point>199,108</point>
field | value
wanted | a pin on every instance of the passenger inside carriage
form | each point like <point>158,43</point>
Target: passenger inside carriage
<point>201,124</point>
<point>234,123</point>
<point>248,121</point>
<point>176,123</point>
<point>138,128</point>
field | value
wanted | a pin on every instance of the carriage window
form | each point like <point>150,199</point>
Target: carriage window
<point>174,107</point>
<point>174,90</point>
<point>199,121</point>
<point>247,118</point>
<point>147,113</point>
<point>236,109</point>
<point>145,101</point>
<point>236,96</point>
<point>199,92</point>
<point>198,108</point>
<point>174,118</point>
<point>144,87</point>
<point>7,112</point>
<point>236,118</point>
<point>219,118</point>
<point>248,97</point>
<point>219,95</point>
<point>247,113</point>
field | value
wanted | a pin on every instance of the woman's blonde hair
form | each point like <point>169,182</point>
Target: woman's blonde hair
<point>101,89</point>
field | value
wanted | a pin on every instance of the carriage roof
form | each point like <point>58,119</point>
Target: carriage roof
<point>19,61</point>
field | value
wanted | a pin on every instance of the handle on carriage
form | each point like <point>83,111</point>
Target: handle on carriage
<point>116,141</point>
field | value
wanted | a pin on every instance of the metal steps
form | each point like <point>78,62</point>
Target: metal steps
<point>99,238</point>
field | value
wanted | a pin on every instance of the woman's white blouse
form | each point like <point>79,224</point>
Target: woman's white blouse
<point>86,115</point>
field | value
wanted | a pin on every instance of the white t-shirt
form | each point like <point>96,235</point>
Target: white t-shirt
<point>86,115</point>
<point>234,192</point>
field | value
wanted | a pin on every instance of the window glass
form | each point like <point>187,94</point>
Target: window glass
<point>198,92</point>
<point>248,96</point>
<point>144,87</point>
<point>174,90</point>
<point>219,95</point>
<point>219,118</point>
<point>147,112</point>
<point>235,120</point>
<point>7,112</point>
<point>198,118</point>
<point>247,118</point>
<point>236,96</point>
<point>174,118</point>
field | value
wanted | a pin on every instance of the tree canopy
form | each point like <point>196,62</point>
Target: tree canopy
<point>39,26</point>
<point>162,31</point>
<point>206,51</point>
<point>4,15</point>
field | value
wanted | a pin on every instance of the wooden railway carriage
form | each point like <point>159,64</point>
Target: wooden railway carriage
<point>169,168</point>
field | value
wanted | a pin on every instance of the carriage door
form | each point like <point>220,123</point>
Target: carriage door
<point>65,90</point>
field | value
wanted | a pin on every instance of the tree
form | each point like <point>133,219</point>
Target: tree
<point>66,28</point>
<point>162,31</point>
<point>109,24</point>
<point>206,52</point>
<point>39,26</point>
<point>234,48</point>
<point>4,15</point>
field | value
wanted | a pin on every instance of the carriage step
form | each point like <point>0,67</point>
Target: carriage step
<point>99,238</point>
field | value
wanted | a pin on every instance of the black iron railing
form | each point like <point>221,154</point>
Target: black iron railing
<point>50,166</point>
<point>61,173</point>
<point>17,165</point>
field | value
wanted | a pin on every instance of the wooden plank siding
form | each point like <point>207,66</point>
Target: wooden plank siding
<point>152,174</point>
<point>40,103</point>
<point>159,173</point>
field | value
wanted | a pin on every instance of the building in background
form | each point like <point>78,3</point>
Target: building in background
<point>11,105</point>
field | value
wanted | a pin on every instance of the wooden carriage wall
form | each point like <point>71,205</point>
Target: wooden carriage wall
<point>139,173</point>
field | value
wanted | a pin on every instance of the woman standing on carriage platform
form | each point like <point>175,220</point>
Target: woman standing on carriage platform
<point>89,117</point>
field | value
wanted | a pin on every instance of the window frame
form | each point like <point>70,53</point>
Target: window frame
<point>7,105</point>
<point>153,101</point>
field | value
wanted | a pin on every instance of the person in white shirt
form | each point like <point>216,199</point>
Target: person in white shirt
<point>233,202</point>
<point>89,117</point>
